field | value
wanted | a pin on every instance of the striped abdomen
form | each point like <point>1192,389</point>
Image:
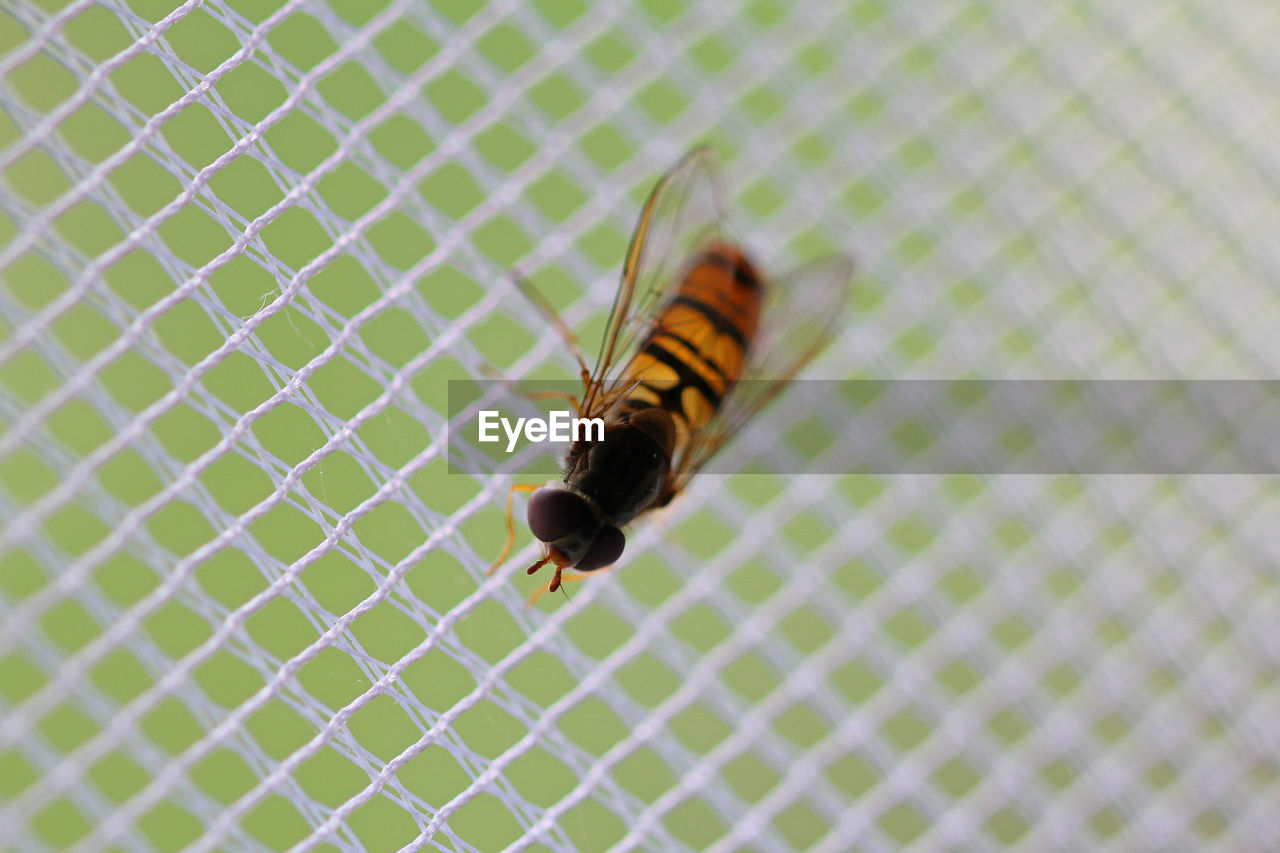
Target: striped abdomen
<point>698,346</point>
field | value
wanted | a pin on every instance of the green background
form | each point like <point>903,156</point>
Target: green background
<point>625,144</point>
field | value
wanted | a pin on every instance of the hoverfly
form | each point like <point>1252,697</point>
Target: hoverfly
<point>692,321</point>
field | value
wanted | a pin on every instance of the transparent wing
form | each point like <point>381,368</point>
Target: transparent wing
<point>683,213</point>
<point>802,312</point>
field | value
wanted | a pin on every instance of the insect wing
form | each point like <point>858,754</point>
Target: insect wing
<point>802,312</point>
<point>683,212</point>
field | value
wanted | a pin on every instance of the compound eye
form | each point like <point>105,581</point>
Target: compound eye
<point>604,551</point>
<point>556,513</point>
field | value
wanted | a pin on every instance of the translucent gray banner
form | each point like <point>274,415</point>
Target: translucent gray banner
<point>933,427</point>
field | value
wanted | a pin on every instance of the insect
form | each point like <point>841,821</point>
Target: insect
<point>696,343</point>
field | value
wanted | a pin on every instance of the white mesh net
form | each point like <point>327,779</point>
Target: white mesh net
<point>245,245</point>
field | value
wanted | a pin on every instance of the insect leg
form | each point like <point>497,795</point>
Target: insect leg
<point>536,596</point>
<point>557,395</point>
<point>511,527</point>
<point>549,313</point>
<point>510,387</point>
<point>565,579</point>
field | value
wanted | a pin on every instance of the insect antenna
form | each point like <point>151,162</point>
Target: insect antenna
<point>555,581</point>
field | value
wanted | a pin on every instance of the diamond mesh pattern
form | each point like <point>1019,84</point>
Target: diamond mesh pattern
<point>246,244</point>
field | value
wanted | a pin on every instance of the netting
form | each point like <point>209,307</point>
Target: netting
<point>246,245</point>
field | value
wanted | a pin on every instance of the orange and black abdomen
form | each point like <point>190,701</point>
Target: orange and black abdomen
<point>700,340</point>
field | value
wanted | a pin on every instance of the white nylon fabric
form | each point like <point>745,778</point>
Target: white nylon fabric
<point>244,246</point>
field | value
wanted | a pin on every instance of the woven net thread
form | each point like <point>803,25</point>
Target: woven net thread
<point>244,605</point>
